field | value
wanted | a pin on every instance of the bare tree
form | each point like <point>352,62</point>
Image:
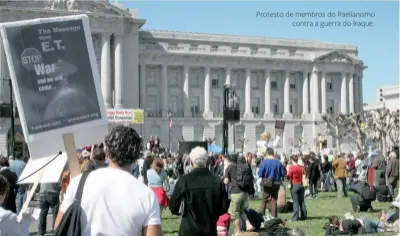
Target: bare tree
<point>300,142</point>
<point>381,124</point>
<point>342,127</point>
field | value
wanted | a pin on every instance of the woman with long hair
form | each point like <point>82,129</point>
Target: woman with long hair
<point>157,178</point>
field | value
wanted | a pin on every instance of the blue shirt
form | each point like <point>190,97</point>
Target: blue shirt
<point>17,166</point>
<point>271,169</point>
<point>156,179</point>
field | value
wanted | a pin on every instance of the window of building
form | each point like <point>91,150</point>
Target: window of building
<point>275,105</point>
<point>292,83</point>
<point>173,77</point>
<point>292,52</point>
<point>214,47</point>
<point>174,104</point>
<point>255,106</point>
<point>151,76</point>
<point>274,82</point>
<point>198,133</point>
<point>194,78</point>
<point>381,99</point>
<point>215,104</point>
<point>274,51</point>
<point>255,80</point>
<point>173,45</point>
<point>195,105</point>
<point>151,103</point>
<point>331,105</point>
<point>293,106</point>
<point>215,77</point>
<point>194,46</point>
<point>329,85</point>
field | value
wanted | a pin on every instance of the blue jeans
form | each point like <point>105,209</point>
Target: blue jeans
<point>327,182</point>
<point>47,201</point>
<point>371,226</point>
<point>20,197</point>
<point>299,205</point>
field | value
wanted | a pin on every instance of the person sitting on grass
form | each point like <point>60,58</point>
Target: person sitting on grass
<point>365,194</point>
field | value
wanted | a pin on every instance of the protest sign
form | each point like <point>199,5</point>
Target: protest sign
<point>55,78</point>
<point>280,124</point>
<point>56,85</point>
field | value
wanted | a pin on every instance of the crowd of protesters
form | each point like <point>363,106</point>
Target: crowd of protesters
<point>210,192</point>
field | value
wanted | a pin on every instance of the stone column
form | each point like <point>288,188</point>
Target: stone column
<point>164,90</point>
<point>142,90</point>
<point>343,94</point>
<point>323,93</point>
<point>228,76</point>
<point>360,86</point>
<point>356,99</point>
<point>315,93</point>
<point>186,102</point>
<point>305,93</point>
<point>267,94</point>
<point>207,93</point>
<point>286,93</point>
<point>118,70</point>
<point>106,69</point>
<point>247,96</point>
<point>351,93</point>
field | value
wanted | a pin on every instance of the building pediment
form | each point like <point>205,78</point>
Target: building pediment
<point>335,56</point>
<point>100,7</point>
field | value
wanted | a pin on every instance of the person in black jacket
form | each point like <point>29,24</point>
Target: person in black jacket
<point>148,161</point>
<point>314,175</point>
<point>345,227</point>
<point>12,178</point>
<point>199,197</point>
<point>357,201</point>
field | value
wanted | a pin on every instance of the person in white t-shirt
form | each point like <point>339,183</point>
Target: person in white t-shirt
<point>114,202</point>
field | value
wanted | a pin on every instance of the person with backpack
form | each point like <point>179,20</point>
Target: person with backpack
<point>272,173</point>
<point>239,177</point>
<point>365,194</point>
<point>110,201</point>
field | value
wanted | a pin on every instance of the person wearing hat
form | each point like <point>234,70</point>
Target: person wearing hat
<point>199,197</point>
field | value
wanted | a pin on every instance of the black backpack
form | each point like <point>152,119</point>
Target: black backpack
<point>70,224</point>
<point>368,192</point>
<point>244,177</point>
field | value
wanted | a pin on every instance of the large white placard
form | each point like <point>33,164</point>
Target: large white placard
<point>56,83</point>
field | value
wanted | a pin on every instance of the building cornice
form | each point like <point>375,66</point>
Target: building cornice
<point>248,40</point>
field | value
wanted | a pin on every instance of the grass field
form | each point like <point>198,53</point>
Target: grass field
<point>319,210</point>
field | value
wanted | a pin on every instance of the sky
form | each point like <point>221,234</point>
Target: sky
<point>378,43</point>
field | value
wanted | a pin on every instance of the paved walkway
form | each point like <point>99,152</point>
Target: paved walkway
<point>33,229</point>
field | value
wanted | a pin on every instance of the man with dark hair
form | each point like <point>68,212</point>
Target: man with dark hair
<point>113,201</point>
<point>99,159</point>
<point>272,172</point>
<point>12,178</point>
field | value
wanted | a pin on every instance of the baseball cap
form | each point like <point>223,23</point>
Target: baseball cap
<point>198,155</point>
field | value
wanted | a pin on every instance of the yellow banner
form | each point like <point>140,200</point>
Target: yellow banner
<point>138,116</point>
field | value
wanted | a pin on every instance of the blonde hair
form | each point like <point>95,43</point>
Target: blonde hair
<point>266,136</point>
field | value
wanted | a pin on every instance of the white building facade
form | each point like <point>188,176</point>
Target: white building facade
<point>184,73</point>
<point>276,79</point>
<point>388,96</point>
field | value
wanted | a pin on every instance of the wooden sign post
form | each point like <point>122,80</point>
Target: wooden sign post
<point>70,149</point>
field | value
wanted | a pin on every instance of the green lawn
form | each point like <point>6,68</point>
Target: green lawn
<point>319,210</point>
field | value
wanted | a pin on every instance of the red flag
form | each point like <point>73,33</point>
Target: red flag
<point>170,123</point>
